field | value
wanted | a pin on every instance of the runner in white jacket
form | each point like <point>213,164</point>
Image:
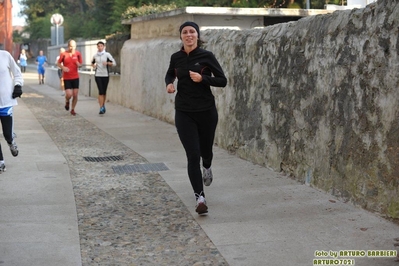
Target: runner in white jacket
<point>101,62</point>
<point>11,83</point>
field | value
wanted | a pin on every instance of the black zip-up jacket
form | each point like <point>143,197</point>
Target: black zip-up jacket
<point>195,96</point>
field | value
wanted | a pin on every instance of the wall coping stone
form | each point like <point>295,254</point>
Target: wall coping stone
<point>229,11</point>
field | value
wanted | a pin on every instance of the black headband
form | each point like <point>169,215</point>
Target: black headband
<point>192,24</point>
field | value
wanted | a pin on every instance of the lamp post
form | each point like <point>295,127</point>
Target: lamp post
<point>56,20</point>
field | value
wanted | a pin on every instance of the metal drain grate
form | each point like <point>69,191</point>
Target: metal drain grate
<point>103,159</point>
<point>140,168</point>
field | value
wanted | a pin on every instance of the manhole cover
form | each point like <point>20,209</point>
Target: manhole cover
<point>103,159</point>
<point>140,168</point>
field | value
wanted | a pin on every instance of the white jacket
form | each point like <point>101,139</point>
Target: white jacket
<point>99,59</point>
<point>10,75</point>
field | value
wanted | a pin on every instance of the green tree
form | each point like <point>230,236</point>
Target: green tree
<point>118,9</point>
<point>17,37</point>
<point>39,12</point>
<point>102,15</point>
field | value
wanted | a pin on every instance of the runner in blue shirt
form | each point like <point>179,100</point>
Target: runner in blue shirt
<point>41,61</point>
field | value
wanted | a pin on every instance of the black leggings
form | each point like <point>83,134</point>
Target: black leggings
<point>6,124</point>
<point>197,132</point>
<point>102,84</point>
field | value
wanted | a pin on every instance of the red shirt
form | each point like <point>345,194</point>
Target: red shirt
<point>69,60</point>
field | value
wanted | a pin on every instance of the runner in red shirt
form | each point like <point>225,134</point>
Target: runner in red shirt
<point>69,62</point>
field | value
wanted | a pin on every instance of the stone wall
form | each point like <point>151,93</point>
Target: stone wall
<point>318,99</point>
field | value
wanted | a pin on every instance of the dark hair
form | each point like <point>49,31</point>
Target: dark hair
<point>100,42</point>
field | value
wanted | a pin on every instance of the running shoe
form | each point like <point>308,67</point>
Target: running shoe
<point>13,148</point>
<point>67,105</point>
<point>102,110</point>
<point>207,176</point>
<point>2,167</point>
<point>73,112</point>
<point>201,207</point>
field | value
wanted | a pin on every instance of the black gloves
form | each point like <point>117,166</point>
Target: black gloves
<point>17,91</point>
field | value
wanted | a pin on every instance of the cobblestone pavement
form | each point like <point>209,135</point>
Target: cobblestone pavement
<point>124,218</point>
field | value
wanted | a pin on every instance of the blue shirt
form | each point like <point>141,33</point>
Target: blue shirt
<point>41,59</point>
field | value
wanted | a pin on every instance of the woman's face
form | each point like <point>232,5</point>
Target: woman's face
<point>189,36</point>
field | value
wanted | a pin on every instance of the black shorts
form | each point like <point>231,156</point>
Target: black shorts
<point>71,84</point>
<point>60,73</point>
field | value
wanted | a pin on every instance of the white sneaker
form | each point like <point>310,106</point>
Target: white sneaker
<point>2,167</point>
<point>13,148</point>
<point>201,207</point>
<point>207,176</point>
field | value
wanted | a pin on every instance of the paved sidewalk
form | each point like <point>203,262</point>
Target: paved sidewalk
<point>38,222</point>
<point>256,216</point>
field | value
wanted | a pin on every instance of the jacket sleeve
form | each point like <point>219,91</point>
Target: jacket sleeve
<point>110,58</point>
<point>170,73</point>
<point>16,71</point>
<point>218,79</point>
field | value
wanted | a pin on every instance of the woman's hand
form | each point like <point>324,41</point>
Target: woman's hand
<point>196,77</point>
<point>170,88</point>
